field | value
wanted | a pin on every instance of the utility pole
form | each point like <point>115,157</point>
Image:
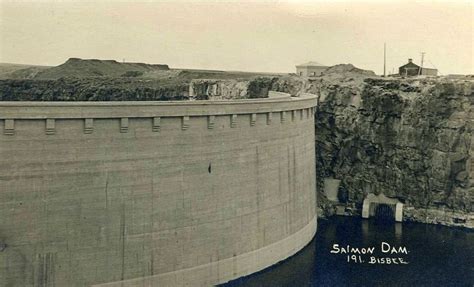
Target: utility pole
<point>422,59</point>
<point>384,58</point>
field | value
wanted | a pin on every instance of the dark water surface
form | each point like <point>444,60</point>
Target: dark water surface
<point>437,256</point>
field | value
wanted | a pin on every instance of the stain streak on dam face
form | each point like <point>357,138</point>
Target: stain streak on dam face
<point>152,193</point>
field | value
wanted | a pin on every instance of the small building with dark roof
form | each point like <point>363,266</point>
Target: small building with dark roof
<point>310,69</point>
<point>412,69</point>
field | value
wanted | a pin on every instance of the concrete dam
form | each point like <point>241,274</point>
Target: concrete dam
<point>190,193</point>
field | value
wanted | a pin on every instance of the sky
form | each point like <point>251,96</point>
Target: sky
<point>260,36</point>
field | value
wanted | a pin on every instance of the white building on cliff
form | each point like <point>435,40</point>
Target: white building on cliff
<point>310,69</point>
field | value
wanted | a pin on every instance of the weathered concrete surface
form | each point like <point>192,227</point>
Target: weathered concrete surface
<point>372,200</point>
<point>137,194</point>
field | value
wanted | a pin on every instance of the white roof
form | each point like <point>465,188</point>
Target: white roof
<point>312,63</point>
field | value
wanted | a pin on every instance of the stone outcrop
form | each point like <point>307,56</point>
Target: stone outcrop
<point>214,89</point>
<point>85,68</point>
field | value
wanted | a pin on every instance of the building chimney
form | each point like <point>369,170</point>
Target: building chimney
<point>410,60</point>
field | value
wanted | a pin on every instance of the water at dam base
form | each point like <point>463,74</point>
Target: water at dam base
<point>349,251</point>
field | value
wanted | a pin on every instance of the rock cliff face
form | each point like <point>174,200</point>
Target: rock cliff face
<point>132,89</point>
<point>409,139</point>
<point>213,89</point>
<point>78,89</point>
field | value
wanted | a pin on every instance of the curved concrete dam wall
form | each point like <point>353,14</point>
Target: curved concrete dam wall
<point>153,193</point>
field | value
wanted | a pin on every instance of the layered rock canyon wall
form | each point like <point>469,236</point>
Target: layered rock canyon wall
<point>410,139</point>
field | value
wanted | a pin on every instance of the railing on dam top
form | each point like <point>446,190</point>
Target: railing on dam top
<point>289,108</point>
